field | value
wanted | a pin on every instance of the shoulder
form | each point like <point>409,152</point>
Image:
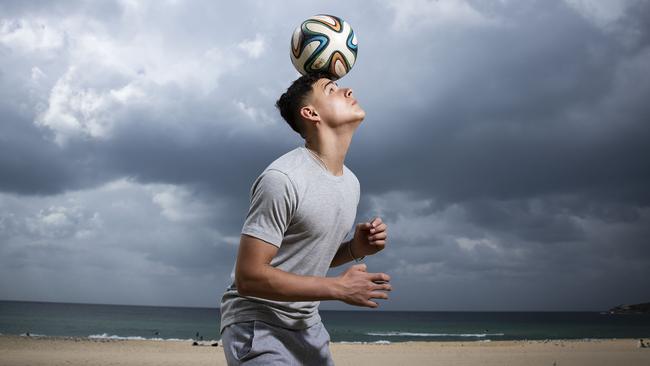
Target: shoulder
<point>289,163</point>
<point>280,174</point>
<point>353,183</point>
<point>353,176</point>
<point>273,181</point>
<point>294,165</point>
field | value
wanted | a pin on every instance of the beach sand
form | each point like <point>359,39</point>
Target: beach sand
<point>34,351</point>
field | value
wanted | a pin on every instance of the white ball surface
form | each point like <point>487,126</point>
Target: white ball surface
<point>324,43</point>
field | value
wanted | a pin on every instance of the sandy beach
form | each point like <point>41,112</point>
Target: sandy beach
<point>33,351</point>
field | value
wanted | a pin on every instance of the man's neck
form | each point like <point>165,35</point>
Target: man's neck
<point>332,149</point>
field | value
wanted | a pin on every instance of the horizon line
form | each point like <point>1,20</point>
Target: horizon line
<point>351,310</point>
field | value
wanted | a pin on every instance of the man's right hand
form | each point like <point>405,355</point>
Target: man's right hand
<point>357,286</point>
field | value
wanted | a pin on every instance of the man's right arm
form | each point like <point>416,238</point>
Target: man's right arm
<point>254,276</point>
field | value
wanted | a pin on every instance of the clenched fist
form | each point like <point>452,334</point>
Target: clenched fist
<point>369,237</point>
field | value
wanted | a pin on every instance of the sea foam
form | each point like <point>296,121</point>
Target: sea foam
<point>138,338</point>
<point>360,342</point>
<point>410,334</point>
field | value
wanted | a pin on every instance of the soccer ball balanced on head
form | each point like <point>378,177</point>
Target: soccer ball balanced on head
<point>324,44</point>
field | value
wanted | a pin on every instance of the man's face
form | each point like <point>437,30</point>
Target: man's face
<point>336,106</point>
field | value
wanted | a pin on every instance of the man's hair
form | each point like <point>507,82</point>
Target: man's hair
<point>295,98</point>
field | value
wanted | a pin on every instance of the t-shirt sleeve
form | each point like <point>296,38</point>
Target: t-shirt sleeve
<point>273,204</point>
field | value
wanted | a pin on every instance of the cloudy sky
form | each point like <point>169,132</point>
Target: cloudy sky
<point>505,144</point>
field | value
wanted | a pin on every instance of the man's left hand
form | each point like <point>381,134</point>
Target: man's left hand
<point>369,237</point>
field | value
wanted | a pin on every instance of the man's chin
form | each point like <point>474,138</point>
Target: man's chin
<point>361,115</point>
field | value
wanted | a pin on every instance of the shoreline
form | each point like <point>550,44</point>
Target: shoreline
<point>107,338</point>
<point>41,350</point>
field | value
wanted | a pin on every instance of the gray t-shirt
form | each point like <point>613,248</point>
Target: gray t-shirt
<point>306,211</point>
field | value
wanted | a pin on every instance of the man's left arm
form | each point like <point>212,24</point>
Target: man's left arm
<point>369,238</point>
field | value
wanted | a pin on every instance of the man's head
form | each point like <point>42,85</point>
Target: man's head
<point>315,101</point>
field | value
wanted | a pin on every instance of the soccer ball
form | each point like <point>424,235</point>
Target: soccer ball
<point>324,43</point>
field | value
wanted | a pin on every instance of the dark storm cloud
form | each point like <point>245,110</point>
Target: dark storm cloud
<point>528,115</point>
<point>27,166</point>
<point>505,144</point>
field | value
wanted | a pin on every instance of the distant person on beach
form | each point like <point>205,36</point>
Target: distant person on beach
<point>302,206</point>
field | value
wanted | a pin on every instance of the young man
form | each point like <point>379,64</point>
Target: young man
<point>302,206</point>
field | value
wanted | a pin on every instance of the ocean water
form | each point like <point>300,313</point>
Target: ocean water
<point>178,323</point>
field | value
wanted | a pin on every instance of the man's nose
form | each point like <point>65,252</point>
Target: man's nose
<point>348,92</point>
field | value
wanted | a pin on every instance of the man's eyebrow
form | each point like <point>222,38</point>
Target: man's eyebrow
<point>328,83</point>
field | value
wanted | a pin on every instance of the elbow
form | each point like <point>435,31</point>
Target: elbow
<point>242,286</point>
<point>245,284</point>
<point>251,281</point>
<point>251,285</point>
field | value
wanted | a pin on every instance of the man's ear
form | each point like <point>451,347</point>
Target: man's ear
<point>309,113</point>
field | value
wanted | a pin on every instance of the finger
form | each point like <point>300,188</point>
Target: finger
<point>371,304</point>
<point>377,236</point>
<point>378,295</point>
<point>375,222</point>
<point>379,277</point>
<point>364,226</point>
<point>383,286</point>
<point>379,243</point>
<point>360,267</point>
<point>379,228</point>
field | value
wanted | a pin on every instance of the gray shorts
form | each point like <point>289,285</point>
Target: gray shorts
<point>259,343</point>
